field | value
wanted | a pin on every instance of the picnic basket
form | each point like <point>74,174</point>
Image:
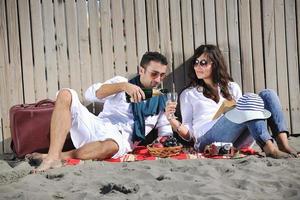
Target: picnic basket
<point>164,152</point>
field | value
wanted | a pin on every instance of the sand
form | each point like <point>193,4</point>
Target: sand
<point>246,178</point>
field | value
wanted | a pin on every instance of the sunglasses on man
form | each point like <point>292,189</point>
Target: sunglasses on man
<point>155,74</point>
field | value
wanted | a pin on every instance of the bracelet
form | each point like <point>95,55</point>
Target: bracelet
<point>178,127</point>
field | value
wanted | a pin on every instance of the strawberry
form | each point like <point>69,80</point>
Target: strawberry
<point>157,145</point>
<point>163,139</point>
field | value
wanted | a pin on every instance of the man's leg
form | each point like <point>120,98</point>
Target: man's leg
<point>59,129</point>
<point>99,150</point>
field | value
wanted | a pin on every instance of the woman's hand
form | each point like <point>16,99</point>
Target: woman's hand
<point>170,109</point>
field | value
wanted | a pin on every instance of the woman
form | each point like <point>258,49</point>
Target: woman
<point>210,86</point>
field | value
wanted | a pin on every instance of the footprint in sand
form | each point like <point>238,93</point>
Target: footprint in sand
<point>112,188</point>
<point>56,177</point>
<point>163,177</point>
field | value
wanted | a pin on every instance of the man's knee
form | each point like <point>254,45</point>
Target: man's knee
<point>64,97</point>
<point>110,147</point>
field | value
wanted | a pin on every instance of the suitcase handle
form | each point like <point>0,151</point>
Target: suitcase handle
<point>38,104</point>
<point>44,101</point>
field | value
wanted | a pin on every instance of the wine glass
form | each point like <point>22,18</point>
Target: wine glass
<point>172,97</point>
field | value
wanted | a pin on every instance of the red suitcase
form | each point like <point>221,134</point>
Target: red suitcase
<point>30,127</point>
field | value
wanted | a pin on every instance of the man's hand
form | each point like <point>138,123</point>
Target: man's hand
<point>135,92</point>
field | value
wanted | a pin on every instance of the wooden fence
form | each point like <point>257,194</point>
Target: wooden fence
<point>46,45</point>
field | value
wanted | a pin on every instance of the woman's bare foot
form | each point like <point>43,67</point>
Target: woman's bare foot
<point>283,145</point>
<point>272,151</point>
<point>35,159</point>
<point>290,150</point>
<point>277,154</point>
<point>48,164</point>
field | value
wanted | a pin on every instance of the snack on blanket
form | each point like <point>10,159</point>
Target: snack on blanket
<point>165,146</point>
<point>219,148</point>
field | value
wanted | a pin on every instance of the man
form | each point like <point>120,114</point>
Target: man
<point>118,127</point>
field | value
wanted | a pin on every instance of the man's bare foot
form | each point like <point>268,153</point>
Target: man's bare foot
<point>36,155</point>
<point>48,164</point>
<point>35,159</point>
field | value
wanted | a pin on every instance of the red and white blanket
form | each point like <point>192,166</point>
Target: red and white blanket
<point>141,153</point>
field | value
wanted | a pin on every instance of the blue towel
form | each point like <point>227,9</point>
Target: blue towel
<point>143,109</point>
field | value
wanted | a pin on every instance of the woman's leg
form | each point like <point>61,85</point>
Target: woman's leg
<point>259,131</point>
<point>226,131</point>
<point>245,140</point>
<point>277,121</point>
<point>222,131</point>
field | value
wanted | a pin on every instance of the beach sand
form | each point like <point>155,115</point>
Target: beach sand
<point>252,177</point>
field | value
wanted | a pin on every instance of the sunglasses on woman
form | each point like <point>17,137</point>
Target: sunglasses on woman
<point>203,63</point>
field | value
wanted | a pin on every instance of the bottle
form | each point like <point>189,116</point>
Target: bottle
<point>149,92</point>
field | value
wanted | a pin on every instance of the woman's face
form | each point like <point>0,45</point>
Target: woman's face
<point>203,68</point>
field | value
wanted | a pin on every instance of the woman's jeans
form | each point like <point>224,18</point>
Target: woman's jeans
<point>242,135</point>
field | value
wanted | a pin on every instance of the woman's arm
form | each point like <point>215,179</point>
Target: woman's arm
<point>184,130</point>
<point>180,129</point>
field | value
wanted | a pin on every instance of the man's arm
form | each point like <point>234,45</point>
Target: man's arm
<point>134,91</point>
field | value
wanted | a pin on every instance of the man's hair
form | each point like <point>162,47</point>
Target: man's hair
<point>153,56</point>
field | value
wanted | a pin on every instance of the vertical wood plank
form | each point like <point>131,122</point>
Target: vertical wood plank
<point>293,65</point>
<point>26,51</point>
<point>210,21</point>
<point>106,31</point>
<point>165,37</point>
<point>14,72</point>
<point>246,47</point>
<point>234,41</point>
<point>258,62</point>
<point>198,23</point>
<point>1,135</point>
<point>269,44</point>
<point>222,37</point>
<point>72,37</point>
<point>118,37</point>
<point>176,33</point>
<point>131,53</point>
<point>298,26</point>
<point>61,44</point>
<point>280,45</point>
<point>4,65</point>
<point>84,46</point>
<point>141,29</point>
<point>14,75</point>
<point>187,34</point>
<point>96,53</point>
<point>50,51</point>
<point>38,49</point>
<point>152,22</point>
<point>164,27</point>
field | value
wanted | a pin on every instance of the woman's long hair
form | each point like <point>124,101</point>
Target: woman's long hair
<point>220,74</point>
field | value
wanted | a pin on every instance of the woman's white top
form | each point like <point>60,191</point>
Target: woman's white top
<point>197,110</point>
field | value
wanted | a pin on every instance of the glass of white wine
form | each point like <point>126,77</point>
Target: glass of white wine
<point>172,97</point>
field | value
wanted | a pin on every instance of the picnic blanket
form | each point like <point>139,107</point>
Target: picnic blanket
<point>141,153</point>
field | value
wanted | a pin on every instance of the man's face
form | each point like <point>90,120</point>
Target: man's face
<point>153,74</point>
